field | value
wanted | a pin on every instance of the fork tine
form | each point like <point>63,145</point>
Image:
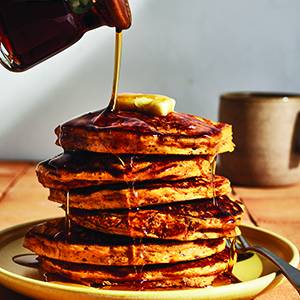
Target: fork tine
<point>227,243</point>
<point>242,241</point>
<point>239,246</point>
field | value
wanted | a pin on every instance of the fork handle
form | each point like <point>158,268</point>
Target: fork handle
<point>291,273</point>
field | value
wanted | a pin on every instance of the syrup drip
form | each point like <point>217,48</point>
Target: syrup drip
<point>232,258</point>
<point>232,255</point>
<point>224,279</point>
<point>67,218</point>
<point>212,178</point>
<point>118,50</point>
<point>227,278</point>
<point>130,183</point>
<point>131,195</point>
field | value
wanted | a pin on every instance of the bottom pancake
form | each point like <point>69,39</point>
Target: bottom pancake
<point>171,284</point>
<point>196,273</point>
<point>82,245</point>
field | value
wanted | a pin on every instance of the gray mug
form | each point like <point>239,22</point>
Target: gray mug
<point>266,131</point>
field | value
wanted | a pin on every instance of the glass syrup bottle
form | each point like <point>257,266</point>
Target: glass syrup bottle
<point>34,30</point>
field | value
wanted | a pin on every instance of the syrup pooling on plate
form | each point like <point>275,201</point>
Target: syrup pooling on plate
<point>27,260</point>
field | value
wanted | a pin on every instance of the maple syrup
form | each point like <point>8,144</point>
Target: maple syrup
<point>67,218</point>
<point>232,254</point>
<point>118,48</point>
<point>212,178</point>
<point>27,260</point>
<point>130,185</point>
<point>34,30</point>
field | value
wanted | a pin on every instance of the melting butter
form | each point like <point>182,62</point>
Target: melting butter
<point>158,105</point>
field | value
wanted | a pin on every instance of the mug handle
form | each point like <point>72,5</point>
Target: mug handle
<point>296,136</point>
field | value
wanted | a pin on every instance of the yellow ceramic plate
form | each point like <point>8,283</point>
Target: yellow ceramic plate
<point>259,275</point>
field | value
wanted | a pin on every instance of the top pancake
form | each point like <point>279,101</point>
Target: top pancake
<point>140,133</point>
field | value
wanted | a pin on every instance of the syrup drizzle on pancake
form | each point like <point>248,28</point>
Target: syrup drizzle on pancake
<point>130,195</point>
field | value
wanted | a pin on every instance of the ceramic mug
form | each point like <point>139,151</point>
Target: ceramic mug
<point>266,132</point>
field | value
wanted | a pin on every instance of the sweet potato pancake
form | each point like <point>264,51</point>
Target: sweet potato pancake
<point>78,169</point>
<point>180,221</point>
<point>141,193</point>
<point>82,245</point>
<point>141,133</point>
<point>163,275</point>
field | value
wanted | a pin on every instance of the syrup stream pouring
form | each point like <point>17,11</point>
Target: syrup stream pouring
<point>291,273</point>
<point>118,49</point>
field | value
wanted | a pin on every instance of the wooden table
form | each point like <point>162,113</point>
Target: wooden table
<point>23,199</point>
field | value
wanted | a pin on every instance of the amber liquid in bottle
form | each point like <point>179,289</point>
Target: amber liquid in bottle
<point>33,30</point>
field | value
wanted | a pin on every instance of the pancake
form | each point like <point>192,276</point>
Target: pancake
<point>158,285</point>
<point>156,274</point>
<point>116,196</point>
<point>82,245</point>
<point>188,220</point>
<point>78,169</point>
<point>140,133</point>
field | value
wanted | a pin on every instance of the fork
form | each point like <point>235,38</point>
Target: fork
<point>291,273</point>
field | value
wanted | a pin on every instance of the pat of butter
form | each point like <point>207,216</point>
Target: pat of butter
<point>154,104</point>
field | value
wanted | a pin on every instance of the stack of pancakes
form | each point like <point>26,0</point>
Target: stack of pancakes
<point>141,207</point>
